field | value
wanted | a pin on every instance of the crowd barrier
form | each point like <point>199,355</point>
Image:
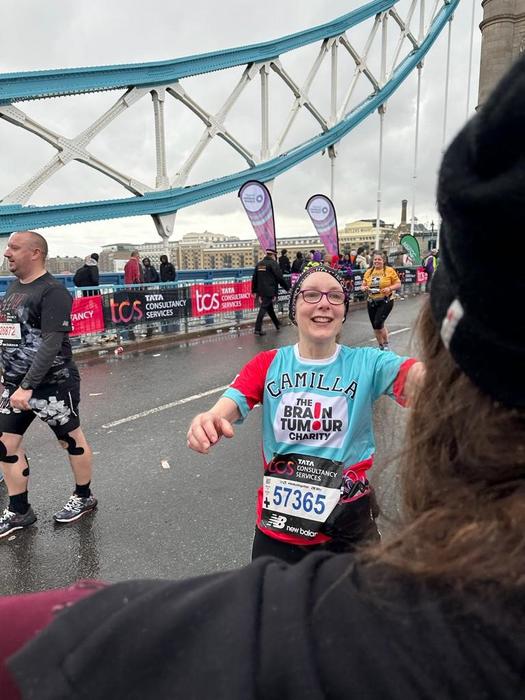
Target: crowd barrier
<point>118,314</point>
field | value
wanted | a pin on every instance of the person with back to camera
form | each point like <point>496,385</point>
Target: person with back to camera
<point>266,280</point>
<point>435,612</point>
<point>88,275</point>
<point>380,281</point>
<point>284,262</point>
<point>318,443</point>
<point>297,265</point>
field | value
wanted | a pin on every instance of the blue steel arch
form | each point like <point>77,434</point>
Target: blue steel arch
<point>38,84</point>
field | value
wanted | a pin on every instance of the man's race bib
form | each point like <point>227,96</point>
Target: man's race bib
<point>10,331</point>
<point>299,493</point>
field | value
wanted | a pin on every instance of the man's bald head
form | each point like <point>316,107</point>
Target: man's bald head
<point>36,241</point>
<point>26,255</point>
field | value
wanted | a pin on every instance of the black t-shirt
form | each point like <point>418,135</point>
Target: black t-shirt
<point>27,311</point>
<point>319,629</point>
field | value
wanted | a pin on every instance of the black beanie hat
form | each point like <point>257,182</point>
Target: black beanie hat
<point>299,283</point>
<point>481,198</point>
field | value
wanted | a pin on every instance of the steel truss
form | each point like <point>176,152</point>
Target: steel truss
<point>161,80</point>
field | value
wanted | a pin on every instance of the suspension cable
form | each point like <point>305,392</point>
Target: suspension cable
<point>381,112</point>
<point>416,144</point>
<point>470,59</point>
<point>447,81</point>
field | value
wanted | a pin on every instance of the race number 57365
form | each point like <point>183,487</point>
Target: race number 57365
<point>299,500</point>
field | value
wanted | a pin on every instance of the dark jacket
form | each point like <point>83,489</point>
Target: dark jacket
<point>324,628</point>
<point>267,277</point>
<point>298,265</point>
<point>284,264</point>
<point>87,275</point>
<point>167,272</point>
<point>150,274</point>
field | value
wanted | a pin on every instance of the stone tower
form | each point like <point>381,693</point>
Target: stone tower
<point>503,39</point>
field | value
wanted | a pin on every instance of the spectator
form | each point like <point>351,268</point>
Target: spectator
<point>430,265</point>
<point>284,263</point>
<point>88,275</point>
<point>167,270</point>
<point>150,273</point>
<point>360,262</point>
<point>267,278</point>
<point>133,272</point>
<point>298,263</point>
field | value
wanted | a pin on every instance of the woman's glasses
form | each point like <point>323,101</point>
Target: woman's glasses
<point>314,296</point>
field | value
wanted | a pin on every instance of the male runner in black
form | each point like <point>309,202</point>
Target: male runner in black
<point>39,378</point>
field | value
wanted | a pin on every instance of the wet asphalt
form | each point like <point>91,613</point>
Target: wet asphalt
<point>165,511</point>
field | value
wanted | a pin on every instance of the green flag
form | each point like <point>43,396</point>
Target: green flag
<point>411,246</point>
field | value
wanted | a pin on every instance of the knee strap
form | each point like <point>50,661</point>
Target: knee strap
<point>71,445</point>
<point>4,457</point>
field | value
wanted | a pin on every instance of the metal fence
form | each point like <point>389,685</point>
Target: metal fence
<point>113,315</point>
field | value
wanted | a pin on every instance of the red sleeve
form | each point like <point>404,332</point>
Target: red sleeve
<point>400,381</point>
<point>251,378</point>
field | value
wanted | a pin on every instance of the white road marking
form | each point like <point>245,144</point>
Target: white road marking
<point>401,330</point>
<point>165,406</point>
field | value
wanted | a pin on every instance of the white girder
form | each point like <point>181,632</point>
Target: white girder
<point>323,116</point>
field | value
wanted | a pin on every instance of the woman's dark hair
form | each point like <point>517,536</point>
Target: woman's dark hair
<point>164,258</point>
<point>463,479</point>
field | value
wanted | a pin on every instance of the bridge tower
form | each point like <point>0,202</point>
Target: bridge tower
<point>503,39</point>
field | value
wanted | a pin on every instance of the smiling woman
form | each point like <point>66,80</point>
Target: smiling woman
<point>318,441</point>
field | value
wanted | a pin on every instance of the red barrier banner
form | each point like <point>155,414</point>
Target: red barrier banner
<point>421,275</point>
<point>221,298</point>
<point>87,315</point>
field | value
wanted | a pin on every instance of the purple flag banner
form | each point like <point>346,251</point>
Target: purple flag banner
<point>257,203</point>
<point>322,214</point>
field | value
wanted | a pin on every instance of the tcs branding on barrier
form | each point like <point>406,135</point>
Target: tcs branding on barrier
<point>221,298</point>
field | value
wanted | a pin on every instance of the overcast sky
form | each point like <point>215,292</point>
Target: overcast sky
<point>62,33</point>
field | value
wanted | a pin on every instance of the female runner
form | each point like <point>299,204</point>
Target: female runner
<point>380,281</point>
<point>318,441</point>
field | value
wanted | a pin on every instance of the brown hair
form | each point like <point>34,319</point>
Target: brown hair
<point>463,480</point>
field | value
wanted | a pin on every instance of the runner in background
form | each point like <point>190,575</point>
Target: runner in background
<point>318,441</point>
<point>40,379</point>
<point>380,281</point>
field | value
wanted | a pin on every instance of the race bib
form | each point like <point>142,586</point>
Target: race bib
<point>299,493</point>
<point>10,334</point>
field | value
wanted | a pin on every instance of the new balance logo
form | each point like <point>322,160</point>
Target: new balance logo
<point>277,521</point>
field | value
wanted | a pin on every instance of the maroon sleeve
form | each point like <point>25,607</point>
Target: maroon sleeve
<point>27,615</point>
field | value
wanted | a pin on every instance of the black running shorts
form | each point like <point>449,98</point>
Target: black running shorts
<point>55,404</point>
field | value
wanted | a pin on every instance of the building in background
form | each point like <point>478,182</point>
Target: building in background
<point>502,41</point>
<point>64,265</point>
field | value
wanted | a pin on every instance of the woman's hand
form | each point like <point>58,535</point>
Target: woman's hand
<point>206,429</point>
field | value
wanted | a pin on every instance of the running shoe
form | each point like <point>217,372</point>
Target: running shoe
<point>75,508</point>
<point>386,347</point>
<point>10,521</point>
<point>1,477</point>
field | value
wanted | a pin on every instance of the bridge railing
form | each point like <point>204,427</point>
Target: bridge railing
<point>115,314</point>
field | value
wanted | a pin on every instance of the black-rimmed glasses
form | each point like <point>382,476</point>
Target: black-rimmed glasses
<point>314,296</point>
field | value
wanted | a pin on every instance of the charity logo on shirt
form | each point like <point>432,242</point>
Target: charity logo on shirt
<point>311,419</point>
